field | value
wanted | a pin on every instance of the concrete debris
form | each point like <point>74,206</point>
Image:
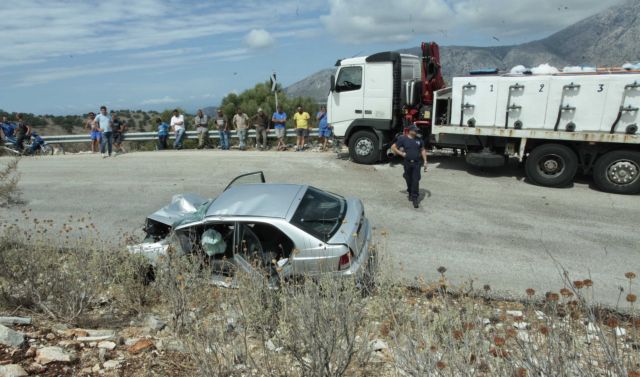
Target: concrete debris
<point>48,355</point>
<point>107,345</point>
<point>8,321</point>
<point>12,370</point>
<point>11,338</point>
<point>111,364</point>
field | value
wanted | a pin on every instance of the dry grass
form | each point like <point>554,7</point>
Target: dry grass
<point>9,177</point>
<point>323,326</point>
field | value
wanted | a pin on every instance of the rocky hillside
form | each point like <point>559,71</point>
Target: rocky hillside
<point>315,86</point>
<point>609,38</point>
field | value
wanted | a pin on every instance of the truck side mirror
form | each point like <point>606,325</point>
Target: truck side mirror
<point>333,83</point>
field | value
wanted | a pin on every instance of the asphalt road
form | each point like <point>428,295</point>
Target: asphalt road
<point>494,228</point>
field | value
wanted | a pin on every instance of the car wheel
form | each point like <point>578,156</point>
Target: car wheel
<point>552,165</point>
<point>364,148</point>
<point>618,172</point>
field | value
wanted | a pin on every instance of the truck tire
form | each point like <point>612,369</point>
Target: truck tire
<point>552,165</point>
<point>618,172</point>
<point>364,147</point>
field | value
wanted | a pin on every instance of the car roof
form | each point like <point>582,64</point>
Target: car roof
<point>256,200</point>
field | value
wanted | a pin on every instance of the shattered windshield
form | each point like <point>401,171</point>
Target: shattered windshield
<point>320,213</point>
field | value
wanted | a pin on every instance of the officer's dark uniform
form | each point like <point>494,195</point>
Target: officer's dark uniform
<point>412,163</point>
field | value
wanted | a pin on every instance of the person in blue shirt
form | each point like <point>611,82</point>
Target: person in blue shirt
<point>105,124</point>
<point>279,120</point>
<point>411,148</point>
<point>324,130</point>
<point>163,134</point>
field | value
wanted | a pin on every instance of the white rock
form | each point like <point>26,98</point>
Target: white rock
<point>378,345</point>
<point>154,323</point>
<point>620,331</point>
<point>523,336</point>
<point>12,370</point>
<point>106,344</point>
<point>96,368</point>
<point>111,364</point>
<point>540,314</point>
<point>11,338</point>
<point>8,321</point>
<point>270,346</point>
<point>486,321</point>
<point>97,338</point>
<point>514,313</point>
<point>48,355</point>
<point>592,329</point>
<point>521,325</point>
<point>131,341</point>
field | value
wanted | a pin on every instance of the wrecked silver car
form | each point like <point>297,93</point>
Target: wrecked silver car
<point>282,231</point>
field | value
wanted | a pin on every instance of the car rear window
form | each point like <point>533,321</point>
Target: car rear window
<point>320,213</point>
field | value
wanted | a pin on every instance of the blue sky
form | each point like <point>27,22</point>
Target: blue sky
<point>68,57</point>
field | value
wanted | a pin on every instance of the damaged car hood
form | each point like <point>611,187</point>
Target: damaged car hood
<point>183,207</point>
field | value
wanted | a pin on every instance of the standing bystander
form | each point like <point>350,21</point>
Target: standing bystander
<point>177,126</point>
<point>23,131</point>
<point>324,130</point>
<point>222,123</point>
<point>201,122</point>
<point>279,119</point>
<point>261,123</point>
<point>94,132</point>
<point>241,123</point>
<point>163,134</point>
<point>301,120</point>
<point>105,124</point>
<point>119,128</point>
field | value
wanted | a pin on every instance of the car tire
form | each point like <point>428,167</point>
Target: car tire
<point>552,165</point>
<point>364,148</point>
<point>618,172</point>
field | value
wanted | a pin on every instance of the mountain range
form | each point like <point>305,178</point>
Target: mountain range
<point>609,38</point>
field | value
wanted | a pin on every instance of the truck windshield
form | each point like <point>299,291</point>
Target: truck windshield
<point>320,213</point>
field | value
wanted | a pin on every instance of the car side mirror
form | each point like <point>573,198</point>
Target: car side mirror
<point>333,83</point>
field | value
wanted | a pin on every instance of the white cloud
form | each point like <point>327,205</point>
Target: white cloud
<point>36,30</point>
<point>159,101</point>
<point>259,38</point>
<point>361,21</point>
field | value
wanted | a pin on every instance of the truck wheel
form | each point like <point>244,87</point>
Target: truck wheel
<point>552,165</point>
<point>364,148</point>
<point>618,172</point>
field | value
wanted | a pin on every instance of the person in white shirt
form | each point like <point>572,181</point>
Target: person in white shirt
<point>177,126</point>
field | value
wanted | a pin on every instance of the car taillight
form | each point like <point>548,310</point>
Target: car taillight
<point>345,261</point>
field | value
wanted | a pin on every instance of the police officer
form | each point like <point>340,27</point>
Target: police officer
<point>411,148</point>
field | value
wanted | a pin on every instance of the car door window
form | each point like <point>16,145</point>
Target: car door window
<point>255,177</point>
<point>349,79</point>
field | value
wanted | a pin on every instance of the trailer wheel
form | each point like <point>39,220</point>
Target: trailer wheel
<point>618,172</point>
<point>364,148</point>
<point>552,165</point>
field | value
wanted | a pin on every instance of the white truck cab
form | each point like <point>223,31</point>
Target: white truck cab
<point>365,102</point>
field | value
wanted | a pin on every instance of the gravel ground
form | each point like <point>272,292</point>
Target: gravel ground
<point>492,227</point>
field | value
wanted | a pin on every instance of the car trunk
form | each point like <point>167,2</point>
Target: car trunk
<point>354,223</point>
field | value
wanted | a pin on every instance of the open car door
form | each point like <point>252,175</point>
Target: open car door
<point>255,177</point>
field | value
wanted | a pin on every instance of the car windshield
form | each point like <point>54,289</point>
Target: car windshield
<point>320,213</point>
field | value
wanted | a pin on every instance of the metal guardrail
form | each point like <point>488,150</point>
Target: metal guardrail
<point>151,136</point>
